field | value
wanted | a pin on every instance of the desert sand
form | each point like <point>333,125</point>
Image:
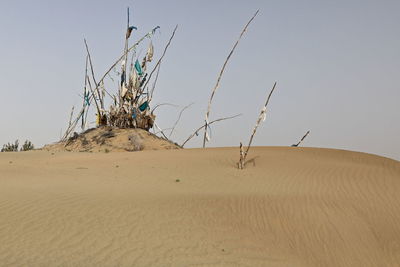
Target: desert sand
<point>192,207</point>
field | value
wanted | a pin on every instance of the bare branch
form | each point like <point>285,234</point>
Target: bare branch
<point>161,131</point>
<point>197,131</point>
<point>93,96</point>
<point>296,145</point>
<point>70,117</point>
<point>155,82</point>
<point>179,117</point>
<point>241,162</point>
<point>162,56</point>
<point>127,51</point>
<point>93,76</point>
<point>219,78</point>
<point>259,120</point>
<point>163,104</point>
<point>85,91</point>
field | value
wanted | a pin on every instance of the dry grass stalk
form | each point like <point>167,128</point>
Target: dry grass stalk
<point>219,79</point>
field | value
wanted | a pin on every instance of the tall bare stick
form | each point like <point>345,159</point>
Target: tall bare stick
<point>124,66</point>
<point>126,40</point>
<point>304,137</point>
<point>197,131</point>
<point>93,96</point>
<point>241,163</point>
<point>85,92</point>
<point>259,120</point>
<point>93,76</point>
<point>219,78</point>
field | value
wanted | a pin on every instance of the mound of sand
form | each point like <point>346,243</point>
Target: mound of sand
<point>192,207</point>
<point>108,139</point>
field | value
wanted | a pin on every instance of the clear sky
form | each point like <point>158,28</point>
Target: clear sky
<point>337,64</point>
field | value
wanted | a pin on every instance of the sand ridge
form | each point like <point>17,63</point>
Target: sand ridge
<point>192,207</point>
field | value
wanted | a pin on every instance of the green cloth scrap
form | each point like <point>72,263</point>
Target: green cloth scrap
<point>143,106</point>
<point>87,99</point>
<point>138,68</point>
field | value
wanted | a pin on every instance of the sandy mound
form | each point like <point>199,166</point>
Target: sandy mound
<point>192,207</point>
<point>108,139</point>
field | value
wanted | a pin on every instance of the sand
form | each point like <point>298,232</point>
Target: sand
<point>191,207</point>
<point>111,139</point>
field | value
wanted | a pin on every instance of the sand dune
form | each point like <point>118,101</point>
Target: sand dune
<point>293,207</point>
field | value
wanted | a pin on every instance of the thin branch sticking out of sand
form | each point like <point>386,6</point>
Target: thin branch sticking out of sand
<point>302,139</point>
<point>161,131</point>
<point>219,79</point>
<point>261,118</point>
<point>241,163</point>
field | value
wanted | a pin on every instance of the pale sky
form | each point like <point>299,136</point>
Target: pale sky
<point>337,65</point>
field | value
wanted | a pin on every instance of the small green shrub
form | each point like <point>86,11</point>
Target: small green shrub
<point>9,147</point>
<point>13,147</point>
<point>27,146</point>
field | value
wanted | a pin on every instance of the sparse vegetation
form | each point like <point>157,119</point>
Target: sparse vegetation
<point>27,146</point>
<point>10,147</point>
<point>13,147</point>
